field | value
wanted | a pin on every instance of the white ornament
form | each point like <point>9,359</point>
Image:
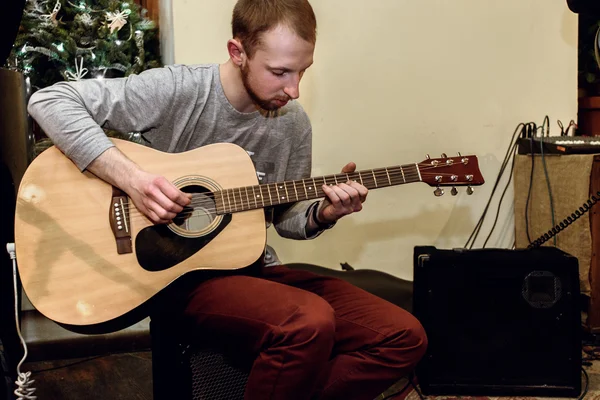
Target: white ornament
<point>117,20</point>
<point>53,14</point>
<point>85,18</point>
<point>80,72</point>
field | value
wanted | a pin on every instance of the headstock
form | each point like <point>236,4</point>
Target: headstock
<point>451,171</point>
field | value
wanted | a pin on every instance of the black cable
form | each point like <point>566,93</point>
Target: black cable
<point>416,389</point>
<point>547,183</point>
<point>587,383</point>
<point>531,134</point>
<point>399,392</point>
<point>500,202</point>
<point>510,151</point>
<point>67,365</point>
<point>529,192</point>
<point>584,208</point>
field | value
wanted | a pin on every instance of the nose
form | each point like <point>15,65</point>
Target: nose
<point>292,89</point>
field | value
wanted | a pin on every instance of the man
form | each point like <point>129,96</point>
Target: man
<point>314,337</point>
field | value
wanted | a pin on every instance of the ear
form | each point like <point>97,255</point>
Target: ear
<point>236,52</point>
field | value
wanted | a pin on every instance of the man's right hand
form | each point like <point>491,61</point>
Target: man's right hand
<point>156,197</point>
<point>153,195</point>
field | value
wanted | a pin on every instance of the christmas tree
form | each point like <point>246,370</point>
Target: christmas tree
<point>66,40</point>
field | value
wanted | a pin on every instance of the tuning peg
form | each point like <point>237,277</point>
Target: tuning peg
<point>470,190</point>
<point>444,155</point>
<point>454,192</point>
<point>427,157</point>
<point>438,192</point>
<point>460,155</point>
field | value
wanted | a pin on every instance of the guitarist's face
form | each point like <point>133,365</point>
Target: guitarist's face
<point>272,76</point>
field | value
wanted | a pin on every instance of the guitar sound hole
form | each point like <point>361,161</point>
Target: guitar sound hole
<point>200,213</point>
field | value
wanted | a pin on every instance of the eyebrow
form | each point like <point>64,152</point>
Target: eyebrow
<point>282,69</point>
<point>285,69</point>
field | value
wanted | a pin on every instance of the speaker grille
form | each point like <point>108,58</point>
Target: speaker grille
<point>542,289</point>
<point>214,378</point>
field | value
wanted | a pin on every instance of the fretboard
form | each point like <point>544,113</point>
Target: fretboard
<point>272,194</point>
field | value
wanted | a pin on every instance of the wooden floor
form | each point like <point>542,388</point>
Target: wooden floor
<point>115,377</point>
<point>118,376</point>
<point>129,376</point>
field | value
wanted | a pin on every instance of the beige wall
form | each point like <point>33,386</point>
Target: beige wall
<point>394,80</point>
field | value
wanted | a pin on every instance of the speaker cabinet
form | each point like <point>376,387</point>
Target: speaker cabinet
<point>499,322</point>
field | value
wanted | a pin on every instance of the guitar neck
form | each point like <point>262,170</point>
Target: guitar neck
<point>272,194</point>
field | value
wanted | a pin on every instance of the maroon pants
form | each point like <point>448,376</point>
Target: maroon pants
<point>311,336</point>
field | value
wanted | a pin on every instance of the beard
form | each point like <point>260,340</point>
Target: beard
<point>266,105</point>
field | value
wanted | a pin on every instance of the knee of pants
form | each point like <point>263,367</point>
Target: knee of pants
<point>408,346</point>
<point>417,341</point>
<point>313,323</point>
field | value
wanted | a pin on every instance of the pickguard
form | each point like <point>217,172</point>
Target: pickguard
<point>158,248</point>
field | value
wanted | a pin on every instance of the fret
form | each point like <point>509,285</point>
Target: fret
<point>335,177</point>
<point>261,195</point>
<point>418,171</point>
<point>305,192</point>
<point>374,178</point>
<point>352,177</point>
<point>277,191</point>
<point>241,205</point>
<point>269,192</point>
<point>295,190</point>
<point>264,194</point>
<point>361,179</point>
<point>388,176</point>
<point>248,198</point>
<point>381,173</point>
<point>223,201</point>
<point>254,197</point>
<point>228,200</point>
<point>234,199</point>
<point>282,198</point>
<point>395,176</point>
<point>403,177</point>
<point>287,196</point>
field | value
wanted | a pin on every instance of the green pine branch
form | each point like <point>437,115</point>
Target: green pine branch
<point>79,42</point>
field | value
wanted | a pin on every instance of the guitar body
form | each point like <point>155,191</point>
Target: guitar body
<point>67,249</point>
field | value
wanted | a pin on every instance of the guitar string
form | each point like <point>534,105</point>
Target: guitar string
<point>241,204</point>
<point>368,175</point>
<point>234,203</point>
<point>235,192</point>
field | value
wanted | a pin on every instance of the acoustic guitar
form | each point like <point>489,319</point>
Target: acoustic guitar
<point>86,256</point>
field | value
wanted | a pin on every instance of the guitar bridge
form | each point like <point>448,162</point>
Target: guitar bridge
<point>118,215</point>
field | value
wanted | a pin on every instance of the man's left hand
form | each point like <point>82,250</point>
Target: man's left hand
<point>342,199</point>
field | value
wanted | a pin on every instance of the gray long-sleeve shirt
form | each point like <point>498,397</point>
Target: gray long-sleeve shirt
<point>179,108</point>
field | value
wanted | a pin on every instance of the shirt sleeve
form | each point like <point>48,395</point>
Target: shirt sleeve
<point>73,114</point>
<point>290,221</point>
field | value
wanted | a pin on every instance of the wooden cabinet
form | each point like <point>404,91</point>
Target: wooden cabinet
<point>152,7</point>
